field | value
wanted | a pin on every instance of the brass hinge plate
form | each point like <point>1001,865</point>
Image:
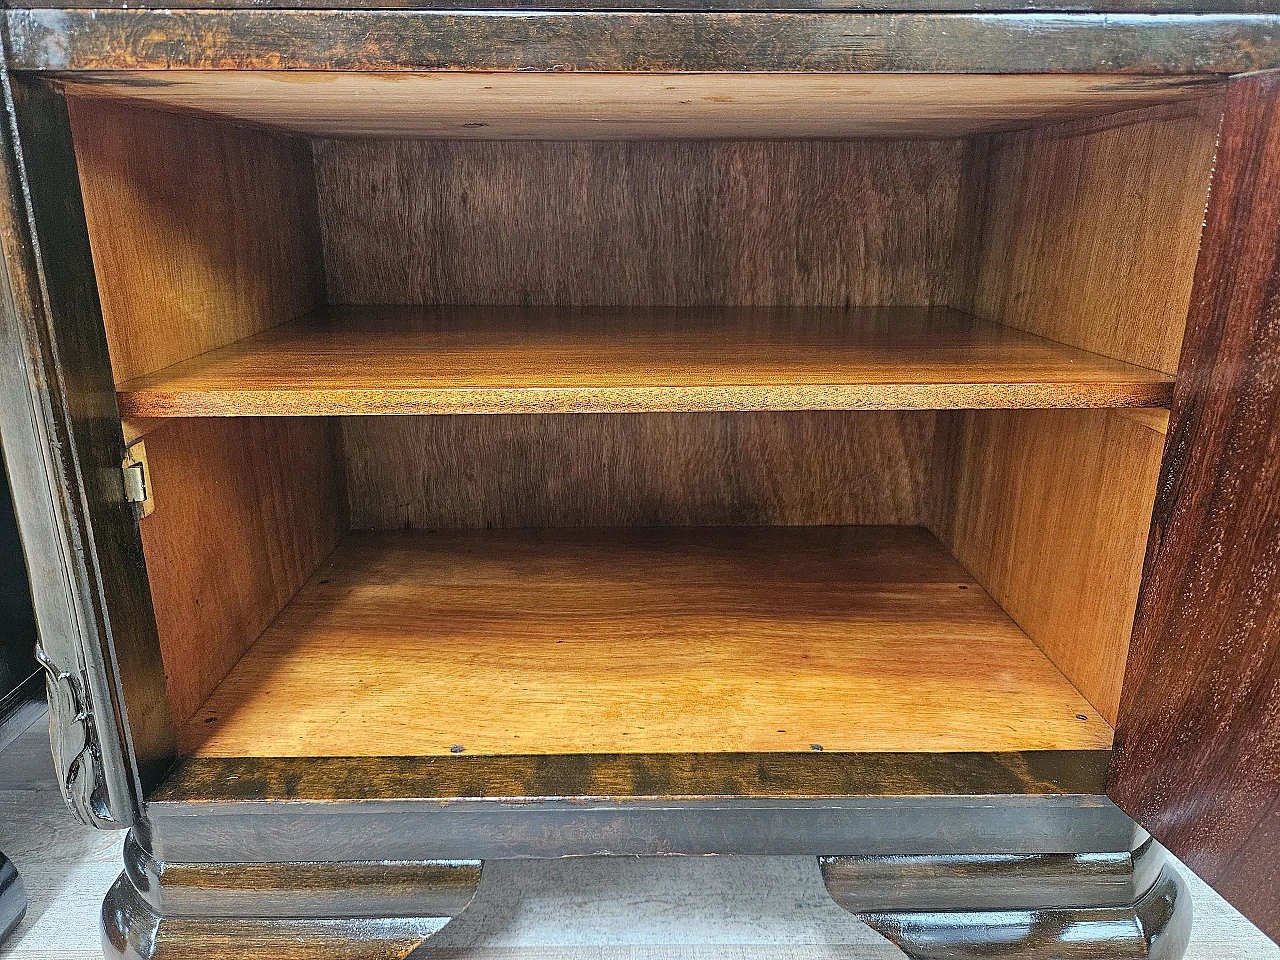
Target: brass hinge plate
<point>137,480</point>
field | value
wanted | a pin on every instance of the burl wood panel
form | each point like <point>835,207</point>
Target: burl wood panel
<point>653,41</point>
<point>650,470</point>
<point>641,223</point>
<point>642,641</point>
<point>245,511</point>
<point>379,360</point>
<point>1050,511</point>
<point>587,106</point>
<point>1088,231</point>
<point>202,232</point>
<point>1198,759</point>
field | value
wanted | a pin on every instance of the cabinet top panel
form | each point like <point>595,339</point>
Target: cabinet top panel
<point>604,41</point>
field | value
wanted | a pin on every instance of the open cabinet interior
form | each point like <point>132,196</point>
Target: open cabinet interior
<point>732,414</point>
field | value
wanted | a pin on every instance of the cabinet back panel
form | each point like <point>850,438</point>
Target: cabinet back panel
<point>641,223</point>
<point>246,509</point>
<point>1088,231</point>
<point>625,469</point>
<point>202,232</point>
<point>1050,511</point>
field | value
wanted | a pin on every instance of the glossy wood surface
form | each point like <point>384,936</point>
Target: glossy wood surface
<point>1087,232</point>
<point>60,431</point>
<point>202,233</point>
<point>644,640</point>
<point>399,360</point>
<point>1199,730</point>
<point>245,511</point>
<point>650,42</point>
<point>572,106</point>
<point>603,470</point>
<point>632,776</point>
<point>1049,510</point>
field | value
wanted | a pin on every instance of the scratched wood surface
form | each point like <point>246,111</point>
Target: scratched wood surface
<point>649,42</point>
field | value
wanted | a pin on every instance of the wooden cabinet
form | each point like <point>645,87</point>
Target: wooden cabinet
<point>443,436</point>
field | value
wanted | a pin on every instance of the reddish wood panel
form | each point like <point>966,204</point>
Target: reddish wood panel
<point>635,223</point>
<point>799,468</point>
<point>1198,759</point>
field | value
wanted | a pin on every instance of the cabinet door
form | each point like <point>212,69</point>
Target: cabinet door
<point>1197,757</point>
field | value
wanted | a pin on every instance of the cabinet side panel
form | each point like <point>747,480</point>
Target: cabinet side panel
<point>246,509</point>
<point>1049,510</point>
<point>640,223</point>
<point>1090,229</point>
<point>203,233</point>
<point>1198,745</point>
<point>629,469</point>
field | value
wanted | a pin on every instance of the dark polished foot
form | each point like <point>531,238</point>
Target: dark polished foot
<point>292,911</point>
<point>1051,907</point>
<point>13,898</point>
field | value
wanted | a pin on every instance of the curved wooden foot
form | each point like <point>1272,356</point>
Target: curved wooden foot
<point>1049,907</point>
<point>13,898</point>
<point>285,911</point>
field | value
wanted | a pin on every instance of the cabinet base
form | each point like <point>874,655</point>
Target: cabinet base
<point>1049,907</point>
<point>285,911</point>
<point>1103,906</point>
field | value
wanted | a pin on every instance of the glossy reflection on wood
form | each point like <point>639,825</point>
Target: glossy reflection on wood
<point>1199,728</point>
<point>196,780</point>
<point>351,360</point>
<point>646,641</point>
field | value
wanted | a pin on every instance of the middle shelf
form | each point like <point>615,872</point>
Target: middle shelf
<point>354,360</point>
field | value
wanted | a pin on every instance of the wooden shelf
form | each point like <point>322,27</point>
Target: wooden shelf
<point>368,360</point>
<point>640,640</point>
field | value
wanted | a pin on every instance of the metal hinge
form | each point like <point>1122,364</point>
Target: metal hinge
<point>137,479</point>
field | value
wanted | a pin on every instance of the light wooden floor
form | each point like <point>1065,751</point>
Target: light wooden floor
<point>741,908</point>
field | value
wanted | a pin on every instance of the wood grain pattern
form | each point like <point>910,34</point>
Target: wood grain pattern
<point>1199,759</point>
<point>1089,230</point>
<point>653,470</point>
<point>573,106</point>
<point>627,776</point>
<point>648,42</point>
<point>641,223</point>
<point>202,233</point>
<point>707,640</point>
<point>1049,511</point>
<point>245,511</point>
<point>349,361</point>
